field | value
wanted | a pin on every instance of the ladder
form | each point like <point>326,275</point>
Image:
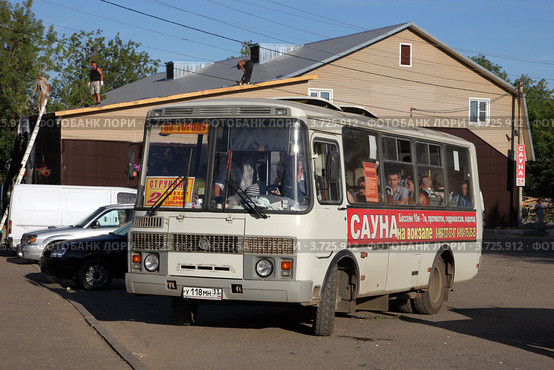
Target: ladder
<point>26,156</point>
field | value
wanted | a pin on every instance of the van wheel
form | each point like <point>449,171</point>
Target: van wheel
<point>430,301</point>
<point>325,312</point>
<point>95,274</point>
<point>184,311</point>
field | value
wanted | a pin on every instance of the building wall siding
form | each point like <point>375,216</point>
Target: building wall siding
<point>365,82</point>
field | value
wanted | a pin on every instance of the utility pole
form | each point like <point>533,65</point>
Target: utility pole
<point>519,188</point>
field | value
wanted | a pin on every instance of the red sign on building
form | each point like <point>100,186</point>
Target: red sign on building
<point>520,165</point>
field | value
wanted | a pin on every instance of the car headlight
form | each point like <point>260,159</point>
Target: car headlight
<point>58,252</point>
<point>151,262</point>
<point>31,238</point>
<point>264,268</point>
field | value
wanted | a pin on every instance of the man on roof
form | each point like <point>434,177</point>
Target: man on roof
<point>246,65</point>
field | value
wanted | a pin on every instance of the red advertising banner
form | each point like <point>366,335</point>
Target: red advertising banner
<point>397,226</point>
<point>520,165</point>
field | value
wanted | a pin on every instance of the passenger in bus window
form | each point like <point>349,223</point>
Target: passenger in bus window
<point>425,191</point>
<point>399,194</point>
<point>465,199</point>
<point>358,196</point>
<point>411,188</point>
<point>438,185</point>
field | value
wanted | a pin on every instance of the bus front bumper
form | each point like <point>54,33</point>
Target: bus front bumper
<point>252,290</point>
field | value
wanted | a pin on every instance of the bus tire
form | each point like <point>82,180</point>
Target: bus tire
<point>184,311</point>
<point>325,312</point>
<point>430,301</point>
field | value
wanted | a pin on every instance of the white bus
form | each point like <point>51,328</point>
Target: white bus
<point>265,200</point>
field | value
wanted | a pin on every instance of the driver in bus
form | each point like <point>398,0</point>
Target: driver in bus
<point>400,194</point>
<point>242,171</point>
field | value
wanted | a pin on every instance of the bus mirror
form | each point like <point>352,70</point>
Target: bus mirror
<point>333,165</point>
<point>131,171</point>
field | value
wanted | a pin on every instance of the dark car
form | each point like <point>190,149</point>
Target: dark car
<point>91,262</point>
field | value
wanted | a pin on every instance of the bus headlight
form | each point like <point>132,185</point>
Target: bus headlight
<point>264,268</point>
<point>151,262</point>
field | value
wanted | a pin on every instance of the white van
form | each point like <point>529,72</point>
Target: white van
<point>34,207</point>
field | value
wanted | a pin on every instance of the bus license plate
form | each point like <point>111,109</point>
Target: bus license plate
<point>215,294</point>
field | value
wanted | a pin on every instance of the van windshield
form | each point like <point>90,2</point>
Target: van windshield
<point>89,218</point>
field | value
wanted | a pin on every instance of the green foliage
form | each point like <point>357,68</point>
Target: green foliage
<point>244,50</point>
<point>25,50</point>
<point>540,105</point>
<point>487,64</point>
<point>120,62</point>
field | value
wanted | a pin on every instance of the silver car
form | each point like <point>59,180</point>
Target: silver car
<point>102,221</point>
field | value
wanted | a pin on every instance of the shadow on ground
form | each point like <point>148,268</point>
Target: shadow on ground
<point>116,304</point>
<point>530,329</point>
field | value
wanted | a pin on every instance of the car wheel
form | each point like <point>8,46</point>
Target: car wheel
<point>184,311</point>
<point>95,274</point>
<point>325,311</point>
<point>430,301</point>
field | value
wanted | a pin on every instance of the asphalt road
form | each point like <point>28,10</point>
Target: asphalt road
<point>504,317</point>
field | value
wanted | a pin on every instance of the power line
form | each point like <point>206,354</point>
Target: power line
<point>492,11</point>
<point>320,63</point>
<point>265,19</point>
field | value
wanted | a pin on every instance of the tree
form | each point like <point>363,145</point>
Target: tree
<point>120,62</point>
<point>540,107</point>
<point>244,50</point>
<point>487,64</point>
<point>25,50</point>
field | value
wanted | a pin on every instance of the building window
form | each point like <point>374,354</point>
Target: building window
<point>326,94</point>
<point>406,55</point>
<point>479,111</point>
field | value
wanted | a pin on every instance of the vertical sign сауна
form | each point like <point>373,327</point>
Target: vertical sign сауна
<point>520,165</point>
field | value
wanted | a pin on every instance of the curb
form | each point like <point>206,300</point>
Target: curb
<point>122,351</point>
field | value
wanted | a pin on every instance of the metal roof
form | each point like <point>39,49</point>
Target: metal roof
<point>301,60</point>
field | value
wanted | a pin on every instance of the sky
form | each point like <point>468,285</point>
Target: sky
<point>518,35</point>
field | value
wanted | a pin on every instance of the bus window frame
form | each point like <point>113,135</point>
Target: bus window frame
<point>319,139</point>
<point>379,160</point>
<point>210,168</point>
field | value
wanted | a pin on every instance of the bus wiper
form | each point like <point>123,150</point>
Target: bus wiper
<point>251,205</point>
<point>178,181</point>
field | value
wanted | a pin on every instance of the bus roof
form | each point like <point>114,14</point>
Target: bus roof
<point>333,118</point>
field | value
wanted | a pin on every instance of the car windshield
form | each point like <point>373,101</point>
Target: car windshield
<point>89,218</point>
<point>123,230</point>
<point>264,162</point>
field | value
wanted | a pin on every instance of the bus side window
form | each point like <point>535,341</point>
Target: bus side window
<point>327,173</point>
<point>458,174</point>
<point>361,166</point>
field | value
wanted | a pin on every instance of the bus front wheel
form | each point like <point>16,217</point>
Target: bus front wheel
<point>184,311</point>
<point>430,301</point>
<point>325,312</point>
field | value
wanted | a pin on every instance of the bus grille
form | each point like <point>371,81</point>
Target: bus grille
<point>178,111</point>
<point>266,245</point>
<point>148,241</point>
<point>206,243</point>
<point>155,222</point>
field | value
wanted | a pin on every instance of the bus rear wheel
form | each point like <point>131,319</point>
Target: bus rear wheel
<point>430,301</point>
<point>325,312</point>
<point>184,311</point>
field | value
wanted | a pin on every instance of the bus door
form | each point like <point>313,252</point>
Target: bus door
<point>330,214</point>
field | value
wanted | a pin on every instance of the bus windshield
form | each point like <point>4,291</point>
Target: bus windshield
<point>266,164</point>
<point>255,163</point>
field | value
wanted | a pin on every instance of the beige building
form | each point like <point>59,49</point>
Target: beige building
<point>401,74</point>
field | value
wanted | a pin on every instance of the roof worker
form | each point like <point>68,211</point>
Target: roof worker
<point>246,65</point>
<point>96,80</point>
<point>43,91</point>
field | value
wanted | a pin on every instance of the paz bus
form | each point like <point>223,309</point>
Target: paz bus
<point>286,202</point>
